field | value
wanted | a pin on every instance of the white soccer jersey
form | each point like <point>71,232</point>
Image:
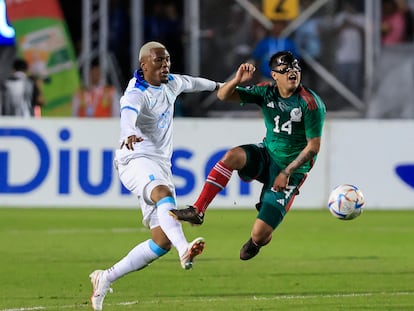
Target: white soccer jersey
<point>147,111</point>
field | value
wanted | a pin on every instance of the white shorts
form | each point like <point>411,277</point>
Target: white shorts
<point>140,176</point>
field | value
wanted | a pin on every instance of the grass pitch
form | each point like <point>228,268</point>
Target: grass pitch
<point>314,262</point>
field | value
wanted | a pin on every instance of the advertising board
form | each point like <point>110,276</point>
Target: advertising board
<point>68,162</point>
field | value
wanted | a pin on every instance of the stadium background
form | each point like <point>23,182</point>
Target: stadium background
<point>315,262</point>
<point>211,38</point>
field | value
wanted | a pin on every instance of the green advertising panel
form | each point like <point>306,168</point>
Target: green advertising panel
<point>42,40</point>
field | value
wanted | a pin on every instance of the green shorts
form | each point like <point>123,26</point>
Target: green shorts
<point>272,205</point>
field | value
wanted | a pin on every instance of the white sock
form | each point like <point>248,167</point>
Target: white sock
<point>138,258</point>
<point>171,227</point>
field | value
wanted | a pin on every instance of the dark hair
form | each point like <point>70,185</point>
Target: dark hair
<point>281,57</point>
<point>20,65</point>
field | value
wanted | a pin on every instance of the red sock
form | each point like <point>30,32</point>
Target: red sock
<point>216,181</point>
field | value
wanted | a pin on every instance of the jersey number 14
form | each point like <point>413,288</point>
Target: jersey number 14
<point>285,127</point>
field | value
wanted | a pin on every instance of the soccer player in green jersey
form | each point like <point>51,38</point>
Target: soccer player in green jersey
<point>294,116</point>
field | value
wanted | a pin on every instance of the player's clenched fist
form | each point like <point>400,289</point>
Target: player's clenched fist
<point>245,72</point>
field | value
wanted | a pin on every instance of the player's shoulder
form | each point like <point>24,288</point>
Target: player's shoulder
<point>174,77</point>
<point>134,92</point>
<point>135,89</point>
<point>260,87</point>
<point>136,85</point>
<point>312,100</point>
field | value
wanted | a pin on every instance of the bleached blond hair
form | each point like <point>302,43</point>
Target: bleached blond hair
<point>146,49</point>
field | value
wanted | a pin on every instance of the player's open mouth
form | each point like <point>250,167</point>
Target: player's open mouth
<point>292,77</point>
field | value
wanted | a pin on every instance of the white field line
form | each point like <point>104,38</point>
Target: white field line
<point>87,231</point>
<point>126,303</point>
<point>205,299</point>
<point>299,297</point>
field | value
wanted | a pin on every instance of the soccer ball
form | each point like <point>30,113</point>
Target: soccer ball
<point>346,202</point>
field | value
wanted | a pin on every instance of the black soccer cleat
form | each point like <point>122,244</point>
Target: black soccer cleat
<point>249,250</point>
<point>189,214</point>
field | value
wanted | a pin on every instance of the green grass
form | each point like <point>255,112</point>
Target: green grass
<point>314,262</point>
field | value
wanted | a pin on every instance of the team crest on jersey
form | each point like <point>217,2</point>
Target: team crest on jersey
<point>164,119</point>
<point>271,105</point>
<point>296,115</point>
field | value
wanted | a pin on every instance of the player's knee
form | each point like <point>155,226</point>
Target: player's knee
<point>235,158</point>
<point>155,191</point>
<point>160,192</point>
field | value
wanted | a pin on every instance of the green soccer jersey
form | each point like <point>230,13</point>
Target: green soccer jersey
<point>289,121</point>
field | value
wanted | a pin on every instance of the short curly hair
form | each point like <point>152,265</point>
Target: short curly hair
<point>146,48</point>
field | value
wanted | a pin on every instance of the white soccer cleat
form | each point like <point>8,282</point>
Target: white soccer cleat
<point>101,287</point>
<point>194,249</point>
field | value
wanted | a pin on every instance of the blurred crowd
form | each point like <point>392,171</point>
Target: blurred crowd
<point>21,92</point>
<point>332,37</point>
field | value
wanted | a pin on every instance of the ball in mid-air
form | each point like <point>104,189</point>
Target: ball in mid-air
<point>346,202</point>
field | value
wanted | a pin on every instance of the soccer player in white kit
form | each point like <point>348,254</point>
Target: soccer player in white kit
<point>144,164</point>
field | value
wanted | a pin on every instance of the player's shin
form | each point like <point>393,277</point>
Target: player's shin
<point>138,258</point>
<point>216,181</point>
<point>171,227</point>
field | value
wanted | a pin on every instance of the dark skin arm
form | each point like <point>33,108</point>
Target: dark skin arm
<point>311,149</point>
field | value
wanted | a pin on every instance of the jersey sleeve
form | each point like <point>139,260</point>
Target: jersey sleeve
<point>130,108</point>
<point>251,94</point>
<point>188,84</point>
<point>315,112</point>
<point>132,99</point>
